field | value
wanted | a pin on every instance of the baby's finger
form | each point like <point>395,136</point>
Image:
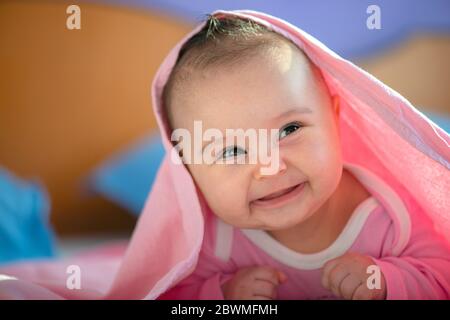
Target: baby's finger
<point>326,272</point>
<point>360,293</point>
<point>364,293</point>
<point>336,276</point>
<point>282,277</point>
<point>267,274</point>
<point>265,289</point>
<point>349,285</point>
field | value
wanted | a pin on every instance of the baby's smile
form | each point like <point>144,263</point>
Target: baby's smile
<point>279,198</point>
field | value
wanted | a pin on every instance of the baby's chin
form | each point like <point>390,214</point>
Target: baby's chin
<point>271,219</point>
<point>274,219</point>
<point>281,221</point>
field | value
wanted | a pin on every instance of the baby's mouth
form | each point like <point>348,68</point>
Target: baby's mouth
<point>277,194</point>
<point>279,198</point>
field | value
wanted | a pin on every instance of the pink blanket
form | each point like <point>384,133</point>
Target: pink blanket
<point>399,144</point>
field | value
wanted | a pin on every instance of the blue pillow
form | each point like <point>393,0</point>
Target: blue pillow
<point>127,177</point>
<point>24,228</point>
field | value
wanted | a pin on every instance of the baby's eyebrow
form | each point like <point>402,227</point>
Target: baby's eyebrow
<point>293,111</point>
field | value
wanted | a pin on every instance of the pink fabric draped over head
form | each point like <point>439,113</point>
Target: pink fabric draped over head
<point>381,131</point>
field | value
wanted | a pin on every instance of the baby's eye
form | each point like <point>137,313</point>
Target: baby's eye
<point>288,129</point>
<point>232,151</point>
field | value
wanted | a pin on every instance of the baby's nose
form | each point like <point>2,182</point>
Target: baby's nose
<point>275,167</point>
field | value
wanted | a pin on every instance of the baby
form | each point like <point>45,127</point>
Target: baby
<point>311,229</point>
<point>353,203</point>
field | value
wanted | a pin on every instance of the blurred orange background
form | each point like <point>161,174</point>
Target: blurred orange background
<point>69,99</point>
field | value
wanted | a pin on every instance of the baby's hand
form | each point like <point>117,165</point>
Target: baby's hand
<point>253,283</point>
<point>346,276</point>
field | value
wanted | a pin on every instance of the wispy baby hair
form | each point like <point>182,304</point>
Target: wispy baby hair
<point>223,41</point>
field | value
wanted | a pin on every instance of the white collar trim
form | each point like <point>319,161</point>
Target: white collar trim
<point>316,260</point>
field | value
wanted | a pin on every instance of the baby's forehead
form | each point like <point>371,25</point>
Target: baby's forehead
<point>282,76</point>
<point>286,62</point>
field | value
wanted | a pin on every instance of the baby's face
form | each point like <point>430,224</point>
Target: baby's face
<point>270,92</point>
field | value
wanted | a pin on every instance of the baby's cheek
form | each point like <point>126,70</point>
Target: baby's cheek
<point>225,198</point>
<point>325,157</point>
<point>323,178</point>
<point>234,204</point>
